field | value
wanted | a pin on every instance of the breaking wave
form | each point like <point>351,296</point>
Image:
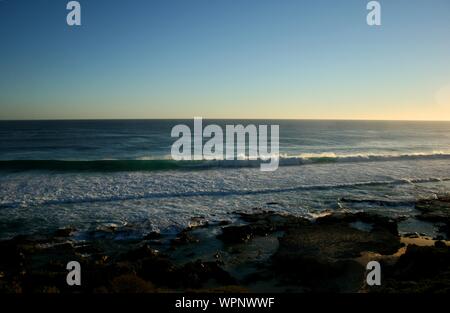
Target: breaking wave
<point>168,164</point>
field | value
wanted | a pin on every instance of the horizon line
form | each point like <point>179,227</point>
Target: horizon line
<point>228,118</point>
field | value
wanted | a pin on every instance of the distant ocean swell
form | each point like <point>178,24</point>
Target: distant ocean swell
<point>167,164</point>
<point>93,199</point>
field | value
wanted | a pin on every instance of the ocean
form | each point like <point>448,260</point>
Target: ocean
<point>99,173</point>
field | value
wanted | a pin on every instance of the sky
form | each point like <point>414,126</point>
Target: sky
<point>270,59</point>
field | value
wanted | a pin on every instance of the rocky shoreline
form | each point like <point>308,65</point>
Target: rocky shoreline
<point>263,251</point>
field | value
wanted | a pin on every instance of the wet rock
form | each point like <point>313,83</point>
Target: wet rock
<point>11,287</point>
<point>445,229</point>
<point>196,274</point>
<point>434,210</point>
<point>376,202</point>
<point>420,261</point>
<point>334,237</point>
<point>378,223</point>
<point>65,232</point>
<point>39,279</point>
<point>411,235</point>
<point>420,269</point>
<point>183,238</point>
<point>274,221</point>
<point>310,256</point>
<point>259,224</point>
<point>49,289</point>
<point>101,259</point>
<point>222,289</point>
<point>197,222</point>
<point>236,234</point>
<point>87,249</point>
<point>158,269</point>
<point>224,223</point>
<point>100,290</point>
<point>152,236</point>
<point>321,254</point>
<point>12,253</point>
<point>333,242</point>
<point>130,284</point>
<point>142,252</point>
<point>401,218</point>
<point>256,216</point>
<point>123,267</point>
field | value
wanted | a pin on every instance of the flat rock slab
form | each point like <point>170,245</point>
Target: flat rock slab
<point>334,242</point>
<point>323,253</point>
<point>337,237</point>
<point>259,224</point>
<point>436,211</point>
<point>422,269</point>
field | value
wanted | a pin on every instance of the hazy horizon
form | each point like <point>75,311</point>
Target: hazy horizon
<point>221,119</point>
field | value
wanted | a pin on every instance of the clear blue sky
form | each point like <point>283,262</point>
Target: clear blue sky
<point>225,59</point>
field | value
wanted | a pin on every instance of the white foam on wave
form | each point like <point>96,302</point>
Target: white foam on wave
<point>172,197</point>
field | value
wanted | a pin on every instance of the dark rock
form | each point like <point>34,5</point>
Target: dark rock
<point>65,232</point>
<point>12,255</point>
<point>183,238</point>
<point>436,211</point>
<point>87,249</point>
<point>422,269</point>
<point>378,222</point>
<point>310,256</point>
<point>13,287</point>
<point>255,216</point>
<point>236,234</point>
<point>100,290</point>
<point>197,222</point>
<point>196,274</point>
<point>158,269</point>
<point>445,229</point>
<point>142,252</point>
<point>49,289</point>
<point>101,259</point>
<point>130,284</point>
<point>411,235</point>
<point>320,255</point>
<point>152,236</point>
<point>259,224</point>
<point>419,262</point>
<point>333,242</point>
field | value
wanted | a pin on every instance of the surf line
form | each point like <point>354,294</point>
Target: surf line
<point>189,145</point>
